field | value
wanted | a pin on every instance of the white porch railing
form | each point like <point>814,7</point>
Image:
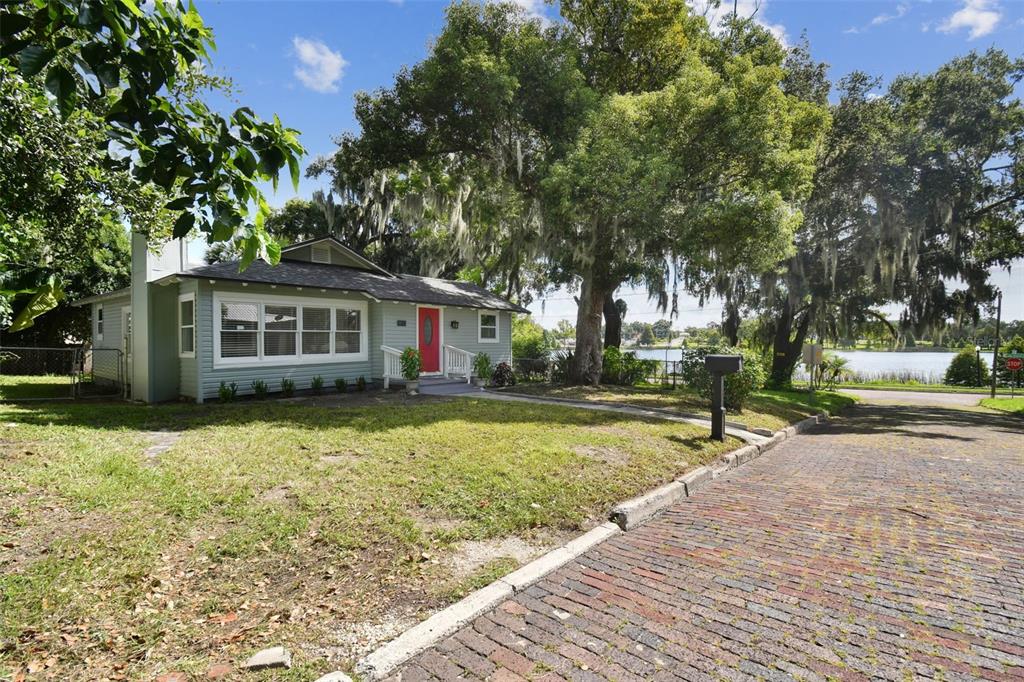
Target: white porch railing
<point>458,362</point>
<point>392,365</point>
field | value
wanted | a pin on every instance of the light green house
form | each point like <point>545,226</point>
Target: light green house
<point>324,311</point>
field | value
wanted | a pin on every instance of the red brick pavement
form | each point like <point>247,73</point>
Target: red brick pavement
<point>888,546</point>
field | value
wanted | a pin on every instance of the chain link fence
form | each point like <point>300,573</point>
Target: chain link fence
<point>32,373</point>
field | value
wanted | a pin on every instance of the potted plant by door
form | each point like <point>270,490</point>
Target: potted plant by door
<point>412,364</point>
<point>482,369</point>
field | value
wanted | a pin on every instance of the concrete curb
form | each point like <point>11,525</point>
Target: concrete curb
<point>447,622</point>
<point>625,516</point>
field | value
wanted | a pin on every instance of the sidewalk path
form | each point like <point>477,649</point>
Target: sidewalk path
<point>888,546</point>
<point>915,397</point>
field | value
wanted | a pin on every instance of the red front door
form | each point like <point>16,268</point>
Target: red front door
<point>430,339</point>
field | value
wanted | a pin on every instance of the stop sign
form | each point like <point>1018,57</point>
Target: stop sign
<point>1014,364</point>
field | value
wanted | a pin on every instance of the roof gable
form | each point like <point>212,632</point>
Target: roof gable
<point>330,251</point>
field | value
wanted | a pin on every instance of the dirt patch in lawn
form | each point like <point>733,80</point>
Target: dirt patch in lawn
<point>472,554</point>
<point>603,453</point>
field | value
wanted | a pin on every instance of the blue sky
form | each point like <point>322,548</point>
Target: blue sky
<point>305,60</point>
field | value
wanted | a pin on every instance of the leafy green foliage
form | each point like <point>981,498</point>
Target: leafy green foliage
<point>625,369</point>
<point>317,384</point>
<point>482,366</point>
<point>529,339</point>
<point>967,369</point>
<point>412,363</point>
<point>738,386</point>
<point>341,385</point>
<point>287,387</point>
<point>226,392</point>
<point>123,81</point>
<point>503,375</point>
<point>361,383</point>
<point>259,389</point>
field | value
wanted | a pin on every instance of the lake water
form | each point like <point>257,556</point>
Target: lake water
<point>924,366</point>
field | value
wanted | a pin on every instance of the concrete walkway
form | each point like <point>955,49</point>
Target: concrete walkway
<point>915,397</point>
<point>887,546</point>
<point>438,387</point>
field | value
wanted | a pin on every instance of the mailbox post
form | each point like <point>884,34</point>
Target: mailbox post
<point>718,366</point>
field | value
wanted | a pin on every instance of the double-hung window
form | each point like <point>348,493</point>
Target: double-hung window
<point>280,330</point>
<point>257,330</point>
<point>99,322</point>
<point>239,330</point>
<point>348,333</point>
<point>187,326</point>
<point>316,331</point>
<point>488,328</point>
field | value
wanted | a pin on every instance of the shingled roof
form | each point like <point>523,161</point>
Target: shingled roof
<point>408,288</point>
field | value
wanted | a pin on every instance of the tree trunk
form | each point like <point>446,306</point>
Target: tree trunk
<point>612,322</point>
<point>588,357</point>
<point>731,324</point>
<point>786,348</point>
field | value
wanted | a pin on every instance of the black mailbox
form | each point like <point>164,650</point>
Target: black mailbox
<point>718,366</point>
<point>723,364</point>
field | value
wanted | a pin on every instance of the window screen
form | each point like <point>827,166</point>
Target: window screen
<point>316,331</point>
<point>281,325</point>
<point>187,332</point>
<point>348,334</point>
<point>239,328</point>
<point>488,326</point>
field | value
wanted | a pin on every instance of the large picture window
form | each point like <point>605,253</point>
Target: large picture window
<point>278,330</point>
<point>187,326</point>
<point>488,328</point>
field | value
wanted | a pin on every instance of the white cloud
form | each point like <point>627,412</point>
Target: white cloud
<point>320,68</point>
<point>534,9</point>
<point>979,16</point>
<point>883,18</point>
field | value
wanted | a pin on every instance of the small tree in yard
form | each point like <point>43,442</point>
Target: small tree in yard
<point>967,369</point>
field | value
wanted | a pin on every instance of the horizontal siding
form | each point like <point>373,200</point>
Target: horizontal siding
<point>394,335</point>
<point>104,364</point>
<point>301,374</point>
<point>467,335</point>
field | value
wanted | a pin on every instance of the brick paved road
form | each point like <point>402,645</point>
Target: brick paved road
<point>889,547</point>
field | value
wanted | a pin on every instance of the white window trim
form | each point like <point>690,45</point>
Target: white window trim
<point>298,359</point>
<point>181,299</point>
<point>99,321</point>
<point>479,326</point>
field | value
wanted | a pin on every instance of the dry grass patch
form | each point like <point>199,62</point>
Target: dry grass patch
<point>325,527</point>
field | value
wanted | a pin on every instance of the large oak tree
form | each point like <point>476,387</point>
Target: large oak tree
<point>627,143</point>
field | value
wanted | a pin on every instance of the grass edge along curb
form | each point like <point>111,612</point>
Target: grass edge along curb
<point>627,515</point>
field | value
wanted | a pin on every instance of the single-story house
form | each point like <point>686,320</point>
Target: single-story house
<point>324,310</point>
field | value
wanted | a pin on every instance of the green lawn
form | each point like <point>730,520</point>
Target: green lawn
<point>1014,405</point>
<point>296,524</point>
<point>37,386</point>
<point>766,409</point>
